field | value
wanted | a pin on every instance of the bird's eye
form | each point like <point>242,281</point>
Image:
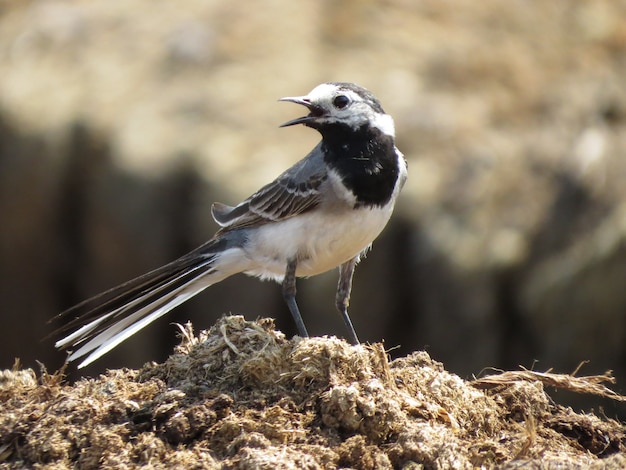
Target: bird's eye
<point>341,101</point>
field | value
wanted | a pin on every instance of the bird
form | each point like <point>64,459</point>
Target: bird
<point>322,213</point>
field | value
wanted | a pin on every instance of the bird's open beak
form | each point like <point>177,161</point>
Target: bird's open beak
<point>314,110</point>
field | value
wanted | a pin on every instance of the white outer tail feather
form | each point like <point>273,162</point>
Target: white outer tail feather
<point>128,326</point>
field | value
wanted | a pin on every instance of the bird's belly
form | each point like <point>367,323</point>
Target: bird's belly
<point>320,242</point>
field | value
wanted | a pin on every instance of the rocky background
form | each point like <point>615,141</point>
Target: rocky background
<point>120,122</point>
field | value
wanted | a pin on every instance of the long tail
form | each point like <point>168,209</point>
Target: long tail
<point>104,321</point>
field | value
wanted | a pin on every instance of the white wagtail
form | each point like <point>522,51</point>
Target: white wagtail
<point>321,213</point>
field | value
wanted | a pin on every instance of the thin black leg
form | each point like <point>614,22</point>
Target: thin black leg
<point>342,300</point>
<point>289,294</point>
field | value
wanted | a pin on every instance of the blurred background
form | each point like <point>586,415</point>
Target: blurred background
<point>120,123</point>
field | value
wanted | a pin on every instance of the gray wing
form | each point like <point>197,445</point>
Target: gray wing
<point>295,191</point>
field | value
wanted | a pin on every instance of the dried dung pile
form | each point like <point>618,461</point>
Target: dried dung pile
<point>242,396</point>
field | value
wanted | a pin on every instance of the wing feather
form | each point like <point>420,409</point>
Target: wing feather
<point>295,191</point>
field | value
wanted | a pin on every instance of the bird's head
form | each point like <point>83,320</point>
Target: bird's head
<point>341,103</point>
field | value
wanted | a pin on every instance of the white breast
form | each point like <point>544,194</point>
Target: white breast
<point>320,240</point>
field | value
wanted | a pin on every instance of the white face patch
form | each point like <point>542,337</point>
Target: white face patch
<point>355,114</point>
<point>322,93</point>
<point>384,122</point>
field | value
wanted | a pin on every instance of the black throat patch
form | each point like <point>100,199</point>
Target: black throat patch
<point>365,159</point>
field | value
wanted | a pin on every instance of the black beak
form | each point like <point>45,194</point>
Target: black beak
<point>314,111</point>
